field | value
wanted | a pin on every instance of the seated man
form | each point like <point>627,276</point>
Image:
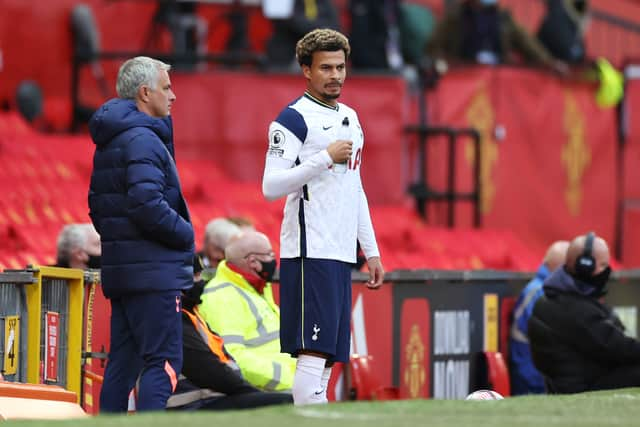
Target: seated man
<point>210,377</point>
<point>78,246</point>
<point>525,378</point>
<point>238,304</point>
<point>577,342</point>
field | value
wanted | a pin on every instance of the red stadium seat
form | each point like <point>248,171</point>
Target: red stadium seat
<point>362,382</point>
<point>492,365</point>
<point>34,209</point>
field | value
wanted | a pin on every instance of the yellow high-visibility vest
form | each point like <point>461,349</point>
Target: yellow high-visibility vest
<point>249,324</point>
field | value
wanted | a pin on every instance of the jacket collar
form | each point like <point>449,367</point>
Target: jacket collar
<point>562,282</point>
<point>256,282</point>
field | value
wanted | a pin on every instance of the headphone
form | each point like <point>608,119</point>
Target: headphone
<point>585,264</point>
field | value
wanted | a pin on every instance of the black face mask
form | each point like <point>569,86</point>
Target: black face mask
<point>580,5</point>
<point>599,281</point>
<point>95,261</point>
<point>268,269</point>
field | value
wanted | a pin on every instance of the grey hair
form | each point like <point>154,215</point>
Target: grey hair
<point>136,72</point>
<point>220,231</point>
<point>72,236</point>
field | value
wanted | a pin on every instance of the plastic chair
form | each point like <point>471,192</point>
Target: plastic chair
<point>492,373</point>
<point>363,384</point>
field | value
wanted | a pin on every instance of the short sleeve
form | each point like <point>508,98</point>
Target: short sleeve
<point>287,134</point>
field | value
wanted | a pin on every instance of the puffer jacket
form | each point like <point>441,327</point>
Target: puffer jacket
<point>576,340</point>
<point>136,204</point>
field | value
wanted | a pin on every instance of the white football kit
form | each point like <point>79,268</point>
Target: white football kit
<point>326,209</point>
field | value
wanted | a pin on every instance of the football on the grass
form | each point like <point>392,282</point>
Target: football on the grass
<point>485,395</point>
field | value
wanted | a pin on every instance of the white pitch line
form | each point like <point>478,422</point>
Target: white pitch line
<point>626,396</point>
<point>334,415</point>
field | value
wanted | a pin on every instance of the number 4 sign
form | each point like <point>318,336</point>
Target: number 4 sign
<point>11,344</point>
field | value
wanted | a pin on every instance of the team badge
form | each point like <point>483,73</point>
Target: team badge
<point>276,142</point>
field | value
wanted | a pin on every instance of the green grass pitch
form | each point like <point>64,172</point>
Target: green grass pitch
<point>597,409</point>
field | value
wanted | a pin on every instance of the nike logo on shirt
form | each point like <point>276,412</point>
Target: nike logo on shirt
<point>326,127</point>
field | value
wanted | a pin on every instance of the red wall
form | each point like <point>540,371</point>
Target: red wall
<point>225,116</point>
<point>552,175</point>
<point>631,213</point>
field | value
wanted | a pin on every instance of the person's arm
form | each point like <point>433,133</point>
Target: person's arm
<point>610,343</point>
<point>595,334</point>
<point>283,177</point>
<point>531,49</point>
<point>203,367</point>
<point>366,235</point>
<point>268,371</point>
<point>367,239</point>
<point>283,172</point>
<point>146,205</point>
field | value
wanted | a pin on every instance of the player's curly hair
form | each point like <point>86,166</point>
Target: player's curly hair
<point>322,39</point>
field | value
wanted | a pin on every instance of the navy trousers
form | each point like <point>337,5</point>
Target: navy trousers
<point>145,347</point>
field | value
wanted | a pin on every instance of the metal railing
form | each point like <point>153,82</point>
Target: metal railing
<point>425,193</point>
<point>14,324</point>
<point>49,320</point>
<point>56,337</point>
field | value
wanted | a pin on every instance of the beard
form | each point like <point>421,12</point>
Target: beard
<point>332,95</point>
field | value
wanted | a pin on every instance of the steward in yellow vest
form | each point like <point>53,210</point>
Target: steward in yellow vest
<point>238,304</point>
<point>210,378</point>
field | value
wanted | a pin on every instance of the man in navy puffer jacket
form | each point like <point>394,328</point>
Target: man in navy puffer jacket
<point>137,207</point>
<point>577,342</point>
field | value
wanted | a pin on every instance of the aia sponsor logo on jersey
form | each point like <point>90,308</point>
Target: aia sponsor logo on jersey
<point>357,160</point>
<point>355,163</point>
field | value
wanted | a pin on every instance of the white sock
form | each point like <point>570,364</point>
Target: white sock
<point>324,382</point>
<point>307,381</point>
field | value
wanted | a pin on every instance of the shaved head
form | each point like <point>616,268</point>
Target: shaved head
<point>599,251</point>
<point>249,242</point>
<point>556,255</point>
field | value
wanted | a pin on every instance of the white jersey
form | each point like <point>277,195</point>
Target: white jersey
<point>326,209</point>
